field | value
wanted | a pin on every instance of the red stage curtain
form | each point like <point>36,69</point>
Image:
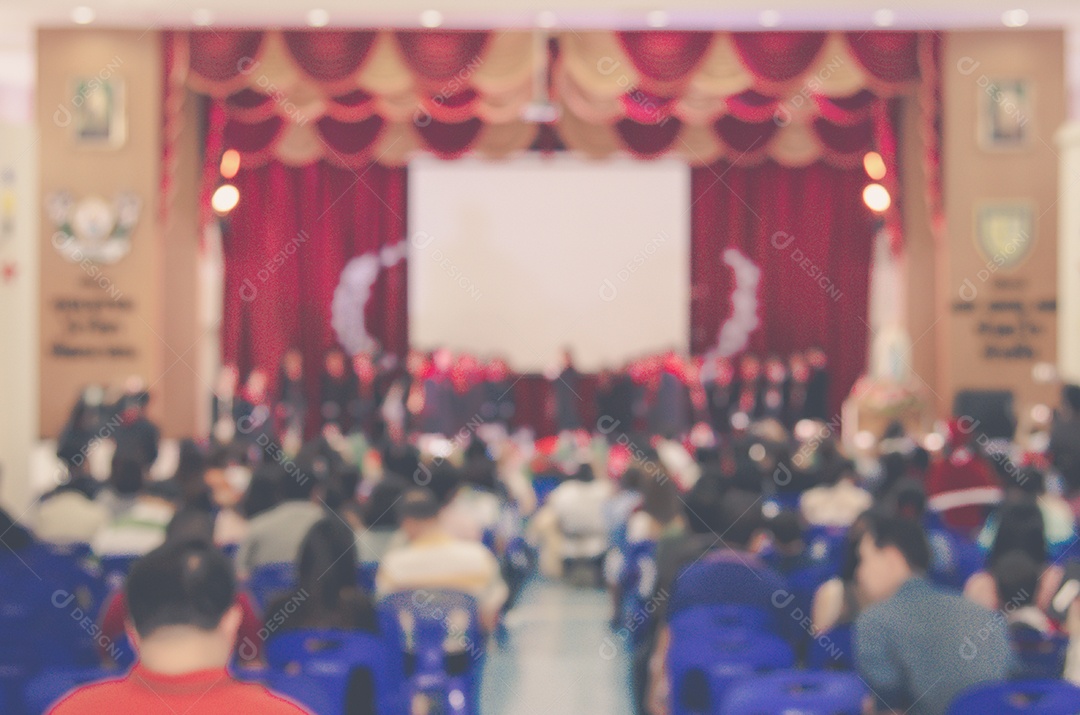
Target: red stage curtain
<point>811,236</point>
<point>286,244</point>
<point>329,56</point>
<point>778,56</point>
<point>889,56</point>
<point>666,56</point>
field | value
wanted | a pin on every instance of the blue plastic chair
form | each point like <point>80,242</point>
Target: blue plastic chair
<point>422,623</point>
<point>1038,656</point>
<point>330,658</point>
<point>304,690</point>
<point>797,693</point>
<point>48,687</point>
<point>1024,697</point>
<point>831,650</point>
<point>365,575</point>
<point>270,580</point>
<point>704,664</point>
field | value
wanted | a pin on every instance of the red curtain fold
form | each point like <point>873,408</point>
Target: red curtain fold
<point>437,56</point>
<point>778,56</point>
<point>648,140</point>
<point>889,56</point>
<point>751,106</point>
<point>849,110</point>
<point>809,233</point>
<point>449,141</point>
<point>645,107</point>
<point>330,56</point>
<point>350,138</point>
<point>253,137</point>
<point>355,106</point>
<point>852,141</point>
<point>742,136</point>
<point>222,56</point>
<point>666,56</point>
<point>285,246</point>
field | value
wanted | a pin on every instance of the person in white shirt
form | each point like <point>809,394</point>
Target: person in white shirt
<point>69,514</point>
<point>838,500</point>
<point>275,535</point>
<point>433,559</point>
<point>140,528</point>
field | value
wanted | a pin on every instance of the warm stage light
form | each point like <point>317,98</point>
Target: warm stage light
<point>230,163</point>
<point>769,18</point>
<point>884,18</point>
<point>874,165</point>
<point>431,19</point>
<point>317,17</point>
<point>657,18</point>
<point>225,199</point>
<point>1014,18</point>
<point>876,197</point>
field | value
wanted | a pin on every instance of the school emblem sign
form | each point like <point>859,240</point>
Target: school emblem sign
<point>92,228</point>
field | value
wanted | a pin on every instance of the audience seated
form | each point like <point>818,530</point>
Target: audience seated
<point>1016,578</point>
<point>69,514</point>
<point>788,553</point>
<point>190,525</point>
<point>960,485</point>
<point>181,598</point>
<point>838,499</point>
<point>577,511</point>
<point>326,594</point>
<point>275,535</point>
<point>140,526</point>
<point>715,563</point>
<point>1020,528</point>
<point>379,519</point>
<point>433,559</point>
<point>839,601</point>
<point>917,646</point>
<point>1026,484</point>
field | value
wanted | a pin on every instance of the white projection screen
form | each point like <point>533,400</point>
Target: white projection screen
<point>519,258</point>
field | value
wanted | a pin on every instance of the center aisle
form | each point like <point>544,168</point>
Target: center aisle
<point>560,657</point>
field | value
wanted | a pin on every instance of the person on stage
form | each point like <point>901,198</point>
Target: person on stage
<point>566,389</point>
<point>817,388</point>
<point>499,403</point>
<point>338,391</point>
<point>291,408</point>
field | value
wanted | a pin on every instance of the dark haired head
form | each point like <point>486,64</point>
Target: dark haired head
<point>1020,527</point>
<point>380,512</point>
<point>191,525</point>
<point>909,500</point>
<point>660,497</point>
<point>742,517</point>
<point>327,562</point>
<point>180,584</point>
<point>127,474</point>
<point>703,508</point>
<point>444,482</point>
<point>905,535</point>
<point>1016,576</point>
<point>264,490</point>
<point>786,528</point>
<point>418,504</point>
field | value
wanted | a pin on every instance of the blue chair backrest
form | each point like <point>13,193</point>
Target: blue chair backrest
<point>365,575</point>
<point>270,580</point>
<point>1024,697</point>
<point>704,663</point>
<point>796,693</point>
<point>331,657</point>
<point>831,650</point>
<point>439,633</point>
<point>45,689</point>
<point>1038,656</point>
<point>115,568</point>
<point>305,690</point>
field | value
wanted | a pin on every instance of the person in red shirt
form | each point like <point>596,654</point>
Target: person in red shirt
<point>962,486</point>
<point>181,599</point>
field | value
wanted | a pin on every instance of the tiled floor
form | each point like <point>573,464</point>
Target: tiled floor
<point>560,658</point>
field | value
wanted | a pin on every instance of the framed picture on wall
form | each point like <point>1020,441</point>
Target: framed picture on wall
<point>98,112</point>
<point>1005,232</point>
<point>1004,113</point>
